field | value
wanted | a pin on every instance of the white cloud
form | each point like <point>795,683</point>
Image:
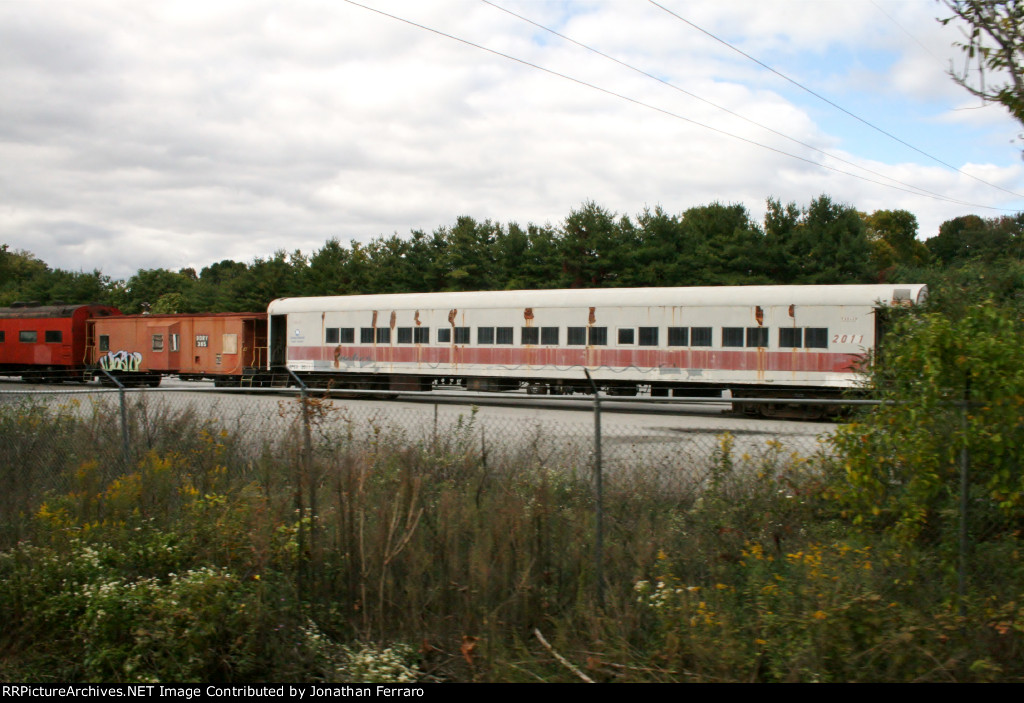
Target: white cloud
<point>144,134</point>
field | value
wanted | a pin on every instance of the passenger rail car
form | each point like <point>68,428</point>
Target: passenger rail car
<point>47,342</point>
<point>793,341</point>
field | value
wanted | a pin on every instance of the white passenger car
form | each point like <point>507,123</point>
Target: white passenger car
<point>795,340</point>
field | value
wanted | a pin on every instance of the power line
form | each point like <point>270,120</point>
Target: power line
<point>661,110</point>
<point>829,102</point>
<point>923,191</point>
<point>904,30</point>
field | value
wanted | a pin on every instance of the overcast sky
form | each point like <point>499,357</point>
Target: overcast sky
<point>137,134</point>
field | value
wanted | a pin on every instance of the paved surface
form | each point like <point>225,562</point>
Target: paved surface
<point>677,442</point>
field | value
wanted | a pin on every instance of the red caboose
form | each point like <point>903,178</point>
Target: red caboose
<point>141,348</point>
<point>42,341</point>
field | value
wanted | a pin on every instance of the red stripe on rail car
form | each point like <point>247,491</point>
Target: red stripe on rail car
<point>519,357</point>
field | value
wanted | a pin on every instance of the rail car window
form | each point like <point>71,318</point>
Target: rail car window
<point>53,336</point>
<point>577,336</point>
<point>462,335</point>
<point>404,335</point>
<point>2,336</point>
<point>444,335</point>
<point>597,336</point>
<point>28,336</point>
<point>679,336</point>
<point>485,335</point>
<point>791,337</point>
<point>158,342</point>
<point>503,335</point>
<point>700,336</point>
<point>757,336</point>
<point>383,335</point>
<point>104,342</point>
<point>648,337</point>
<point>816,338</point>
<point>549,335</point>
<point>366,335</point>
<point>340,335</point>
<point>421,335</point>
<point>732,336</point>
<point>626,335</point>
<point>530,335</point>
<point>176,343</point>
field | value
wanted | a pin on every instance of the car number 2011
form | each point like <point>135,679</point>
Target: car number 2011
<point>847,338</point>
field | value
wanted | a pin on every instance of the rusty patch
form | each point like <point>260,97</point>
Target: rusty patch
<point>394,318</point>
<point>337,356</point>
<point>416,318</point>
<point>451,316</point>
<point>593,318</point>
<point>528,315</point>
<point>792,311</point>
<point>759,315</point>
<point>374,325</point>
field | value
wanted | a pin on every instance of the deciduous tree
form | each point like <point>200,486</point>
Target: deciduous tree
<point>993,48</point>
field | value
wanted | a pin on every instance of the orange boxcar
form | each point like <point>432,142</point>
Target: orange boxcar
<point>141,348</point>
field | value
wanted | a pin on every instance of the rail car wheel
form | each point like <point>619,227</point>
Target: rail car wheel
<point>792,410</point>
<point>622,391</point>
<point>814,412</point>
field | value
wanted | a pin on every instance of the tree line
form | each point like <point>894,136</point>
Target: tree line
<point>717,244</point>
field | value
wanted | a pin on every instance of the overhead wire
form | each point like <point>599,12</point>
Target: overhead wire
<point>903,29</point>
<point>928,51</point>
<point>828,101</point>
<point>910,190</point>
<point>923,191</point>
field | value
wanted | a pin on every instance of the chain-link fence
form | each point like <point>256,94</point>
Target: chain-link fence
<point>432,506</point>
<point>675,452</point>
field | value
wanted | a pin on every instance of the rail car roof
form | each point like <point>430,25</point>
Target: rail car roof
<point>870,295</point>
<point>171,316</point>
<point>26,312</point>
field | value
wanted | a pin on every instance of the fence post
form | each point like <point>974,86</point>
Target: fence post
<point>965,465</point>
<point>434,438</point>
<point>598,495</point>
<point>125,451</point>
<point>306,534</point>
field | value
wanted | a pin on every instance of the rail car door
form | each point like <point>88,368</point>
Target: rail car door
<point>254,333</point>
<point>882,324</point>
<point>278,340</point>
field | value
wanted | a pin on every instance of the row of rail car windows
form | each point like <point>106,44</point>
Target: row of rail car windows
<point>788,337</point>
<point>32,336</point>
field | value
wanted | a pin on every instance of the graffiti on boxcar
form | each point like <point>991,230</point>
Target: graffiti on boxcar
<point>121,361</point>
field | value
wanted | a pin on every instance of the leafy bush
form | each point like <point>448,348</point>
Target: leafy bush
<point>902,460</point>
<point>203,558</point>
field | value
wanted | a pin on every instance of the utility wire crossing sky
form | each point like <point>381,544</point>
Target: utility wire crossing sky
<point>145,135</point>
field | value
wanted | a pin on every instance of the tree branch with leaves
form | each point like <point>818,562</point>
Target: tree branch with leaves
<point>993,48</point>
